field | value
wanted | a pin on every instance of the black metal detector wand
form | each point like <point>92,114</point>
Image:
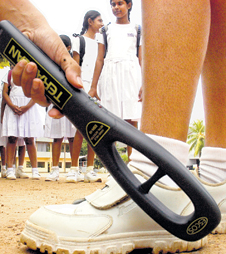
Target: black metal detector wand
<point>102,129</point>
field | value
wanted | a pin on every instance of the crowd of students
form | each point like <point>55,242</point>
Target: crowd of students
<point>110,58</point>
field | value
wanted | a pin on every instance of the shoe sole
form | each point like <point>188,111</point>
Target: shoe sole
<point>93,181</point>
<point>71,181</point>
<point>52,180</point>
<point>221,228</point>
<point>47,241</point>
<point>24,177</point>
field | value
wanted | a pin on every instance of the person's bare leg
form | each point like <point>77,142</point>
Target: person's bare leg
<point>213,158</point>
<point>56,150</point>
<point>21,154</point>
<point>129,148</point>
<point>174,47</point>
<point>71,140</point>
<point>90,157</point>
<point>77,144</point>
<point>11,148</point>
<point>32,152</point>
<point>214,79</point>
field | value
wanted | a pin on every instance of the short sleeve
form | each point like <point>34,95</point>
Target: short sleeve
<point>75,44</point>
<point>100,38</point>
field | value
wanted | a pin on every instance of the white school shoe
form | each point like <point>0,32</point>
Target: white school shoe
<point>72,175</point>
<point>20,173</point>
<point>80,176</point>
<point>218,192</point>
<point>106,222</point>
<point>91,176</point>
<point>35,174</point>
<point>10,175</point>
<point>53,175</point>
<point>3,172</point>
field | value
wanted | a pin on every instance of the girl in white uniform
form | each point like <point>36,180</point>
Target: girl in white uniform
<point>3,140</point>
<point>120,83</point>
<point>57,129</point>
<point>22,119</point>
<point>91,25</point>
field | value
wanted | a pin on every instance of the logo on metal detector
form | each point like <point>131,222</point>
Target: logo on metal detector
<point>96,131</point>
<point>197,225</point>
<point>56,92</point>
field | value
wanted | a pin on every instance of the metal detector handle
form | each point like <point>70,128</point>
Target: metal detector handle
<point>102,129</point>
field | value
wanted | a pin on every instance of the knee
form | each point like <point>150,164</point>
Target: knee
<point>12,140</point>
<point>28,141</point>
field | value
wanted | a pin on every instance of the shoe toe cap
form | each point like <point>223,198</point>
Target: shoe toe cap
<point>68,223</point>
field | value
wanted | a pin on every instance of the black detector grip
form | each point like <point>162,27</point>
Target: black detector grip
<point>102,129</point>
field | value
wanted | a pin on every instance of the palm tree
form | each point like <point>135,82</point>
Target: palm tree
<point>196,137</point>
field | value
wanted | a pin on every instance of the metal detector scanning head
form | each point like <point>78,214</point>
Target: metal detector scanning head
<point>102,129</point>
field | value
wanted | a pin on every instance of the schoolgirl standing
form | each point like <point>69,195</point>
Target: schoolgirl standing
<point>58,129</point>
<point>21,119</point>
<point>86,57</point>
<point>120,70</point>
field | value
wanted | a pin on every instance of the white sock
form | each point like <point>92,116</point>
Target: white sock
<point>177,148</point>
<point>35,170</point>
<point>212,166</point>
<point>55,168</point>
<point>10,170</point>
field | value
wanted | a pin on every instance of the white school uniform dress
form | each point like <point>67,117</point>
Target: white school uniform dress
<point>121,75</point>
<point>27,125</point>
<point>58,128</point>
<point>89,59</point>
<point>3,140</point>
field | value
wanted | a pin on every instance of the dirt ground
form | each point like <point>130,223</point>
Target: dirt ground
<point>20,198</point>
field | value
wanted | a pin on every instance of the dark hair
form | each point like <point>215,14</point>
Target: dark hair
<point>66,40</point>
<point>127,1</point>
<point>89,15</point>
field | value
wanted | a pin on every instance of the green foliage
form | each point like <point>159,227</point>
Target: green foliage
<point>3,62</point>
<point>97,161</point>
<point>84,149</point>
<point>196,137</point>
<point>124,157</point>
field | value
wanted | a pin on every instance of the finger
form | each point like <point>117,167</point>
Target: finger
<point>18,71</point>
<point>54,113</point>
<point>28,75</point>
<point>37,92</point>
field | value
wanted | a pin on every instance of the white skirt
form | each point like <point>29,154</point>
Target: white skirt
<point>58,128</point>
<point>119,86</point>
<point>28,125</point>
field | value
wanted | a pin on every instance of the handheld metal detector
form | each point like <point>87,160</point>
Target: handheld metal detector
<point>102,129</point>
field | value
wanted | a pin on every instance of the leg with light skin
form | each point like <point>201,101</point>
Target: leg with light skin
<point>171,69</point>
<point>214,78</point>
<point>212,162</point>
<point>174,49</point>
